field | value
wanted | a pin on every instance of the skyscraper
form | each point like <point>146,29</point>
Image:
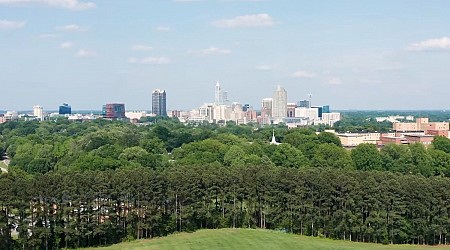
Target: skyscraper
<point>38,111</point>
<point>159,102</point>
<point>218,95</point>
<point>266,107</point>
<point>279,106</point>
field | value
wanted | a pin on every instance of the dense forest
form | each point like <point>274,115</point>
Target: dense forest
<point>74,184</point>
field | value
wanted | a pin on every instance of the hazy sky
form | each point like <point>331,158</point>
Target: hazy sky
<point>348,54</point>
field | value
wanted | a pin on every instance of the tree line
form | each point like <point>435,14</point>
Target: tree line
<point>103,145</point>
<point>95,208</point>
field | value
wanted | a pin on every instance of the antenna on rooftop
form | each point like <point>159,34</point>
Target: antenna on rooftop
<point>310,99</point>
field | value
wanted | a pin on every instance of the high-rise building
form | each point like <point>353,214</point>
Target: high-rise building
<point>159,102</point>
<point>266,107</point>
<point>220,95</point>
<point>303,104</point>
<point>114,111</point>
<point>279,106</point>
<point>65,109</point>
<point>38,112</point>
<point>319,110</point>
<point>217,94</point>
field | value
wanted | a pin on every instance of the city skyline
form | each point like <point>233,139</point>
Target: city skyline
<point>350,54</point>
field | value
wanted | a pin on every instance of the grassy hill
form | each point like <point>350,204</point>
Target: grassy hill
<point>249,239</point>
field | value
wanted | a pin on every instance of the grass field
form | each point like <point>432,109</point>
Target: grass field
<point>3,165</point>
<point>250,239</point>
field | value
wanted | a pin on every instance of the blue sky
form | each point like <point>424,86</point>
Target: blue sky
<point>348,54</point>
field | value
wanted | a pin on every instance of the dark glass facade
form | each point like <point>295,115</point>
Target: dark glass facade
<point>303,104</point>
<point>65,109</point>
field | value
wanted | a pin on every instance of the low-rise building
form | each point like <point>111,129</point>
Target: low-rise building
<point>350,140</point>
<point>423,139</point>
<point>392,139</point>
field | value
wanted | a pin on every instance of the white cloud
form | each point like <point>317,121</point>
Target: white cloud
<point>47,36</point>
<point>70,28</point>
<point>210,51</point>
<point>334,81</point>
<point>215,51</point>
<point>304,74</point>
<point>431,44</point>
<point>64,4</point>
<point>66,45</point>
<point>263,67</point>
<point>11,25</point>
<point>369,81</point>
<point>141,47</point>
<point>150,60</point>
<point>258,20</point>
<point>85,53</point>
<point>163,28</point>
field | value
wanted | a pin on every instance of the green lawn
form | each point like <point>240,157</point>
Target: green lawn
<point>3,165</point>
<point>248,239</point>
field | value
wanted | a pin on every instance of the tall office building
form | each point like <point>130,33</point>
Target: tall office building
<point>38,112</point>
<point>319,110</point>
<point>65,109</point>
<point>220,95</point>
<point>279,106</point>
<point>266,107</point>
<point>114,111</point>
<point>159,102</point>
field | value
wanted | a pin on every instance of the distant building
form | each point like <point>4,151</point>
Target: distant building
<point>279,106</point>
<point>175,113</point>
<point>291,109</point>
<point>65,109</point>
<point>421,124</point>
<point>159,102</point>
<point>38,112</point>
<point>389,139</point>
<point>113,111</point>
<point>310,113</point>
<point>220,95</point>
<point>303,104</point>
<point>319,110</point>
<point>423,139</point>
<point>135,115</point>
<point>266,111</point>
<point>11,115</point>
<point>330,118</point>
<point>266,106</point>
